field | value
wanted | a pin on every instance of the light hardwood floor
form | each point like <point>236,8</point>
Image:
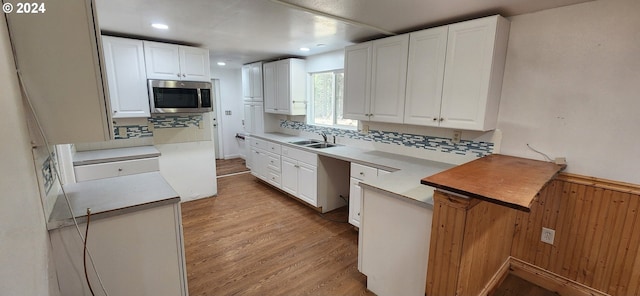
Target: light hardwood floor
<point>230,166</point>
<point>254,240</point>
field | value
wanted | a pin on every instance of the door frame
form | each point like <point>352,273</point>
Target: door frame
<point>219,145</point>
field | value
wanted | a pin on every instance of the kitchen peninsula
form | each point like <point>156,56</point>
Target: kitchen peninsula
<point>474,217</point>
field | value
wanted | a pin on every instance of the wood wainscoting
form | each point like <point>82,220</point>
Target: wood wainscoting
<point>597,239</point>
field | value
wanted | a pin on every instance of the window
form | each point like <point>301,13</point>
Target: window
<point>327,98</point>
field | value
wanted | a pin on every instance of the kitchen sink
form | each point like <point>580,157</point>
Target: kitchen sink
<point>306,142</point>
<point>321,145</point>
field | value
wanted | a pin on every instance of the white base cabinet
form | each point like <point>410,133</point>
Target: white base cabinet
<point>393,245</point>
<point>360,173</point>
<point>139,253</point>
<point>300,174</point>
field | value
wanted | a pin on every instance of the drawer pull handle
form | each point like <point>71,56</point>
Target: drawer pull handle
<point>119,170</point>
<point>361,173</point>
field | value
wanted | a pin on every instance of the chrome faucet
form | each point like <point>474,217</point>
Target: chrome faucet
<point>324,136</point>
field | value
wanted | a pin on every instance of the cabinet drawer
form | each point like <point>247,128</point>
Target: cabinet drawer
<point>273,162</point>
<point>116,168</point>
<point>273,147</point>
<point>363,172</point>
<point>300,155</point>
<point>274,178</point>
<point>257,143</point>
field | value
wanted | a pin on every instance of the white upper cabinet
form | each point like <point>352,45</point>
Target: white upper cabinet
<point>176,62</point>
<point>252,81</point>
<point>375,78</point>
<point>388,78</point>
<point>126,77</point>
<point>452,76</point>
<point>285,87</point>
<point>476,52</point>
<point>357,81</point>
<point>425,74</point>
<point>59,58</point>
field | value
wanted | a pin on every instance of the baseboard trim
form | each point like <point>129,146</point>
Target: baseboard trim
<point>549,280</point>
<point>541,277</point>
<point>497,278</point>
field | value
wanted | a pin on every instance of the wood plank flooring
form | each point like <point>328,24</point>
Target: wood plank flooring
<point>253,240</point>
<point>230,166</point>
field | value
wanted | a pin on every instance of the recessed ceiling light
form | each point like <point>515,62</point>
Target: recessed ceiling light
<point>304,49</point>
<point>222,64</point>
<point>160,26</point>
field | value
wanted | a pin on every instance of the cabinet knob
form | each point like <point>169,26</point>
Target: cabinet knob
<point>178,74</point>
<point>441,119</point>
<point>435,119</point>
<point>361,173</point>
<point>119,170</point>
<point>296,166</point>
<point>184,75</point>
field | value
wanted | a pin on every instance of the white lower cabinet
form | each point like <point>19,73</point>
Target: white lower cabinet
<point>300,178</point>
<point>138,253</point>
<point>265,161</point>
<point>115,169</point>
<point>360,173</point>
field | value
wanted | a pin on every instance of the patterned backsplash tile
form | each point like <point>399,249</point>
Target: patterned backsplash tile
<point>157,122</point>
<point>464,147</point>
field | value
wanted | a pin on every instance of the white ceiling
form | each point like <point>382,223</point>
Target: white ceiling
<point>243,31</point>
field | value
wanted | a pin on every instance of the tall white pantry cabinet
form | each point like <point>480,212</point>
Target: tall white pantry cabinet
<point>453,79</point>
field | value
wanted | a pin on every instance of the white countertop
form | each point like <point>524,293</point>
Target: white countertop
<point>110,197</point>
<point>118,154</point>
<point>403,183</point>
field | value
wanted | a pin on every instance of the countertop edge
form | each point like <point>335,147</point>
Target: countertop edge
<point>55,224</point>
<point>423,204</point>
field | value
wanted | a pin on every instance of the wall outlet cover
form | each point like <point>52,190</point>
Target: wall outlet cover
<point>548,235</point>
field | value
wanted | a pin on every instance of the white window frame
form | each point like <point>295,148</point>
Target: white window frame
<point>311,111</point>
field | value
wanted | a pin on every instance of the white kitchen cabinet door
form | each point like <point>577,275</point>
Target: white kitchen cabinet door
<point>126,77</point>
<point>290,176</point>
<point>283,85</point>
<point>269,77</point>
<point>253,117</point>
<point>59,59</point>
<point>176,62</point>
<point>194,64</point>
<point>248,118</point>
<point>425,75</point>
<point>259,165</point>
<point>355,201</point>
<point>246,82</point>
<point>388,78</point>
<point>476,52</point>
<point>162,60</point>
<point>357,80</point>
<point>256,81</point>
<point>308,183</point>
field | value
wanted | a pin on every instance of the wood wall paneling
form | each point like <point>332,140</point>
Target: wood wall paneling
<point>470,240</point>
<point>595,242</point>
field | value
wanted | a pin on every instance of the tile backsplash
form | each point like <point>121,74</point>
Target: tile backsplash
<point>128,131</point>
<point>438,144</point>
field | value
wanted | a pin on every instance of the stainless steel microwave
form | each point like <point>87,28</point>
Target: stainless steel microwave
<point>171,96</point>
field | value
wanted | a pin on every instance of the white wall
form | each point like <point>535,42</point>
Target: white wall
<point>24,240</point>
<point>328,61</point>
<point>231,99</point>
<point>189,168</point>
<point>572,88</point>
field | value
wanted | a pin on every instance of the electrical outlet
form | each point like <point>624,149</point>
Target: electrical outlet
<point>365,129</point>
<point>457,135</point>
<point>547,235</point>
<point>561,160</point>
